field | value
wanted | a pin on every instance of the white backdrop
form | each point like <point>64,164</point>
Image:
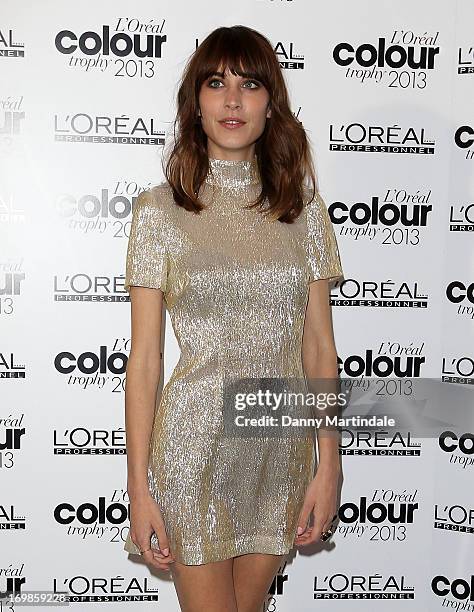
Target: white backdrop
<point>82,129</point>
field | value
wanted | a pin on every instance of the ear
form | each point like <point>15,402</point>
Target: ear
<point>269,112</point>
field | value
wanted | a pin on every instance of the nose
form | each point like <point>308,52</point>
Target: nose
<point>233,98</point>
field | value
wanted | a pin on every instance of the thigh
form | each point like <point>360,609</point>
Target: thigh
<point>206,587</point>
<point>253,576</point>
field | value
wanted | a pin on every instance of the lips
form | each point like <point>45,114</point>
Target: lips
<point>231,120</point>
<point>231,123</point>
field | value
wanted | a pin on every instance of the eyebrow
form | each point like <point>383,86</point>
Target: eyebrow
<point>245,75</point>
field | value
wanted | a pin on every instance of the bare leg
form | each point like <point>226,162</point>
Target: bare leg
<point>205,588</point>
<point>253,576</point>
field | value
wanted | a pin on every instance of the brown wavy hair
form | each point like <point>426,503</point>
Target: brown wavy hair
<point>283,153</point>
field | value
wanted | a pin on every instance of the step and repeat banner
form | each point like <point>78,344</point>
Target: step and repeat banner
<point>87,99</point>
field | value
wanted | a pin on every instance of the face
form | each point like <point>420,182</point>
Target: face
<point>226,96</point>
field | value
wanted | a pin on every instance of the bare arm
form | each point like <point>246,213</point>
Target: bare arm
<point>320,361</point>
<point>143,376</point>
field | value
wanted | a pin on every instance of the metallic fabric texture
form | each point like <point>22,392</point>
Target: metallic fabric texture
<point>236,287</point>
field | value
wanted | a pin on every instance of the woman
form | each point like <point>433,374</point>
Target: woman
<point>232,240</point>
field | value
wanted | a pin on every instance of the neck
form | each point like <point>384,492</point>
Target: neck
<point>233,173</point>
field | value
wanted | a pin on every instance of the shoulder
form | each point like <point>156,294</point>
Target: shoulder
<point>316,214</point>
<point>152,208</point>
<point>154,202</point>
<point>162,192</point>
<point>314,206</point>
<point>156,196</point>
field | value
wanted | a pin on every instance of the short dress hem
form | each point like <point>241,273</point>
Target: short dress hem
<point>228,549</point>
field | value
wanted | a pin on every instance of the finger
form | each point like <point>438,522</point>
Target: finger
<point>317,530</point>
<point>149,559</point>
<point>162,565</point>
<point>303,539</point>
<point>143,542</point>
<point>303,520</point>
<point>162,568</point>
<point>311,534</point>
<point>330,523</point>
<point>163,543</point>
<point>162,559</point>
<point>159,555</point>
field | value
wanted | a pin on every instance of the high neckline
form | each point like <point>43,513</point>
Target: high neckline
<point>233,173</point>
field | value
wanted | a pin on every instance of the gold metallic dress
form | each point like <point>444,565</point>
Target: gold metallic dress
<point>236,286</point>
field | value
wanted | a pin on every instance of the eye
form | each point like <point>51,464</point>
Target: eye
<point>211,81</point>
<point>255,83</point>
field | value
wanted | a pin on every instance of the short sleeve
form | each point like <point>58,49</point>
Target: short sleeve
<point>321,246</point>
<point>147,257</point>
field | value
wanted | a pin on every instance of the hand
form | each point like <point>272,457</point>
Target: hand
<point>146,518</point>
<point>321,500</point>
